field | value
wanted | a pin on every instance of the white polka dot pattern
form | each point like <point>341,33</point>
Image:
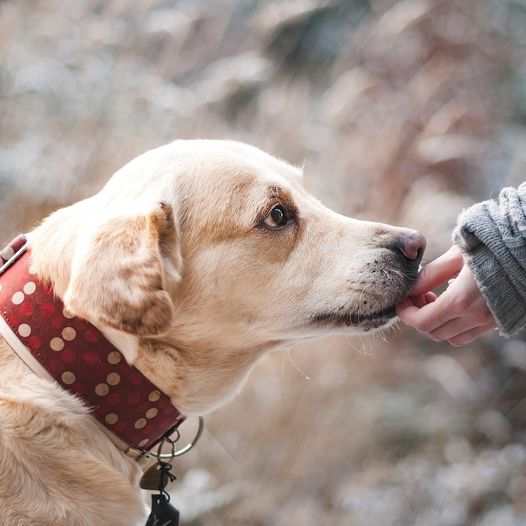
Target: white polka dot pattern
<point>78,356</point>
<point>102,389</point>
<point>57,344</point>
<point>67,314</point>
<point>111,418</point>
<point>30,287</point>
<point>68,377</point>
<point>154,396</point>
<point>114,358</point>
<point>24,330</point>
<point>69,334</point>
<point>140,423</point>
<point>17,298</point>
<point>113,378</point>
<point>152,412</point>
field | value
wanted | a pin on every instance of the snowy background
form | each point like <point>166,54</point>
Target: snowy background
<point>402,111</point>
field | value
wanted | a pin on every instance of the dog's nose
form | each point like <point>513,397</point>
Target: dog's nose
<point>412,245</point>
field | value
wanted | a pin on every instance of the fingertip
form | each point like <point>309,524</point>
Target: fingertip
<point>438,271</point>
<point>425,282</point>
<point>421,285</point>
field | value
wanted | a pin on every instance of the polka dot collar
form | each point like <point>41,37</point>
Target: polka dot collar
<point>78,356</point>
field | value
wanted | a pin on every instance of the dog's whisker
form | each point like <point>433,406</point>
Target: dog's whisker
<point>295,365</point>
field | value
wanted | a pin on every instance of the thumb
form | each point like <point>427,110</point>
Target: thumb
<point>443,268</point>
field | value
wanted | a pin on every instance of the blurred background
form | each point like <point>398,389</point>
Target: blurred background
<point>402,111</point>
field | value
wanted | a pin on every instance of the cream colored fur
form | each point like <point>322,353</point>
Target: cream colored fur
<point>174,262</point>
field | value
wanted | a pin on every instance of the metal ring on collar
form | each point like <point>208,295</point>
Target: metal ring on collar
<point>187,448</point>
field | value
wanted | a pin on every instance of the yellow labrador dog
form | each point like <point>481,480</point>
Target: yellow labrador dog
<point>194,260</point>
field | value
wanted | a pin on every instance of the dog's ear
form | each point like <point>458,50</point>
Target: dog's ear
<point>120,272</point>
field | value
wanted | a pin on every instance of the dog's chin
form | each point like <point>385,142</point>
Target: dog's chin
<point>356,321</point>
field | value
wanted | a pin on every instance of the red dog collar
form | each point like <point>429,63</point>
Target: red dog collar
<point>75,354</point>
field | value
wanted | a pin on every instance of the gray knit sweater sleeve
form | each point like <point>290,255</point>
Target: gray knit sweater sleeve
<point>492,236</point>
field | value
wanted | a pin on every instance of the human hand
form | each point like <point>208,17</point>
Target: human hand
<point>459,315</point>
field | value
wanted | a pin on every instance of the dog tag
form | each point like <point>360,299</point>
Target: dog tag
<point>163,513</point>
<point>155,478</point>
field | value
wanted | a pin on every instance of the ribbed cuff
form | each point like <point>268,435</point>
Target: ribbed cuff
<point>491,235</point>
<point>502,298</point>
<point>491,260</point>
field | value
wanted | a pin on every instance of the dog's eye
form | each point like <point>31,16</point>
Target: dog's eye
<point>278,217</point>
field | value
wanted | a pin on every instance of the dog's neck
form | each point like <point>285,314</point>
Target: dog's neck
<point>199,380</point>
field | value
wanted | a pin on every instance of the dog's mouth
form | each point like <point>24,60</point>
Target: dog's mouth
<point>379,309</point>
<point>366,321</point>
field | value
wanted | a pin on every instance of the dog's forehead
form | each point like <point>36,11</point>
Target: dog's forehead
<point>234,172</point>
<point>271,163</point>
<point>235,176</point>
<point>232,162</point>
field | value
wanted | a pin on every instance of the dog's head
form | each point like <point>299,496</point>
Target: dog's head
<point>215,249</point>
<point>220,239</point>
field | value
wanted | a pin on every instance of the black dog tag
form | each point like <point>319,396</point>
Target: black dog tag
<point>163,513</point>
<point>157,478</point>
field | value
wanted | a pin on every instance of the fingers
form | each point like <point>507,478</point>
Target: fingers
<point>428,318</point>
<point>459,315</point>
<point>471,335</point>
<point>416,301</point>
<point>461,325</point>
<point>460,310</point>
<point>443,268</point>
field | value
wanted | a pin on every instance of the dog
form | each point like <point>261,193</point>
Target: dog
<point>195,260</point>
